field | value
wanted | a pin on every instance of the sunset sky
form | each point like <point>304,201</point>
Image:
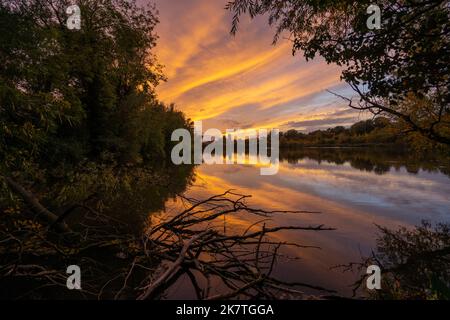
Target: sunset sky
<point>243,81</point>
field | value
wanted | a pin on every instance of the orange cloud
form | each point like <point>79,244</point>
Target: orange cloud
<point>244,79</point>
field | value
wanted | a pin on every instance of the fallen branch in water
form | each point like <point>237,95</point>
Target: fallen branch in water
<point>171,270</point>
<point>37,207</point>
<point>221,262</point>
<point>228,258</point>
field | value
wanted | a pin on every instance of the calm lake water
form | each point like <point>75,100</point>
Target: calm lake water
<point>353,189</point>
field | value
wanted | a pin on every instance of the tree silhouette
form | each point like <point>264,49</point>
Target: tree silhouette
<point>414,263</point>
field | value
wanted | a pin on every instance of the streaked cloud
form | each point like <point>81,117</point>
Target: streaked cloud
<point>241,81</point>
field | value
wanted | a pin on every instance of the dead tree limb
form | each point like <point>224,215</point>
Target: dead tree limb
<point>241,261</point>
<point>36,206</point>
<point>171,270</point>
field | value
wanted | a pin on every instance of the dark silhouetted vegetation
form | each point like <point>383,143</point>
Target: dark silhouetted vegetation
<point>415,263</point>
<point>84,142</point>
<point>68,96</point>
<point>400,70</point>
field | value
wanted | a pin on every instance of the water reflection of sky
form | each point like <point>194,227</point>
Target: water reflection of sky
<point>349,199</point>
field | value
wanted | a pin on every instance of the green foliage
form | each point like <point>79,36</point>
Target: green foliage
<point>82,131</point>
<point>71,95</point>
<point>79,117</point>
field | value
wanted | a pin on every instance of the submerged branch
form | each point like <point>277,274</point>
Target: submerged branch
<point>240,261</point>
<point>37,207</point>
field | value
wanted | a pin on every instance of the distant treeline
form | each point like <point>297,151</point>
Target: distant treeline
<point>379,131</point>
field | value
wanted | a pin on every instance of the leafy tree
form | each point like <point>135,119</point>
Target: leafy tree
<point>82,136</point>
<point>79,103</point>
<point>362,127</point>
<point>67,95</point>
<point>407,57</point>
